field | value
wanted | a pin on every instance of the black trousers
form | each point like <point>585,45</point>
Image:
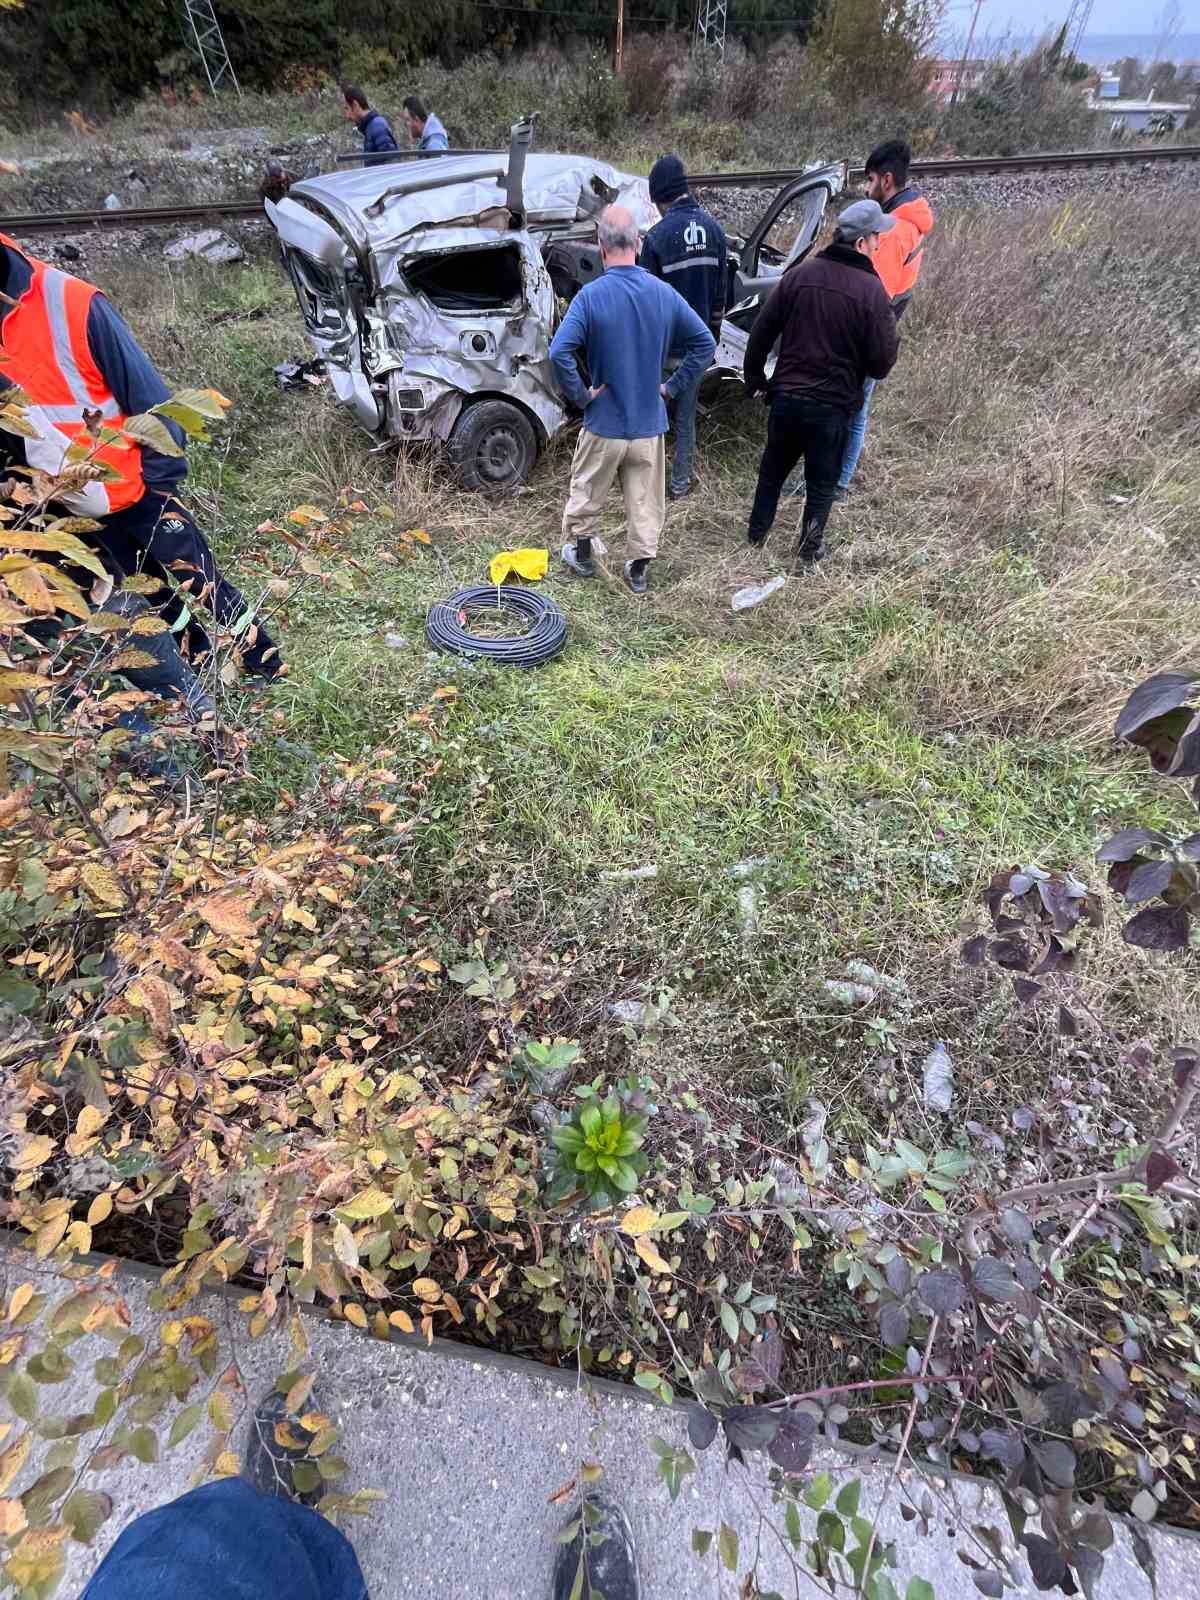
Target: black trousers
<point>799,428</point>
<point>158,536</point>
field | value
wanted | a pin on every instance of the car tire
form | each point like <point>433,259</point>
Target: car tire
<point>492,447</point>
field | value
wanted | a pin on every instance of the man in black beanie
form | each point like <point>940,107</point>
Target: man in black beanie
<point>686,249</point>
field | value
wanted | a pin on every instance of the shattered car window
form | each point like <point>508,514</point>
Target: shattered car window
<point>318,292</point>
<point>468,280</point>
<point>798,218</point>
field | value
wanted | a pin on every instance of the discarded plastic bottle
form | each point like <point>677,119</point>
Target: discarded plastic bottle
<point>755,593</point>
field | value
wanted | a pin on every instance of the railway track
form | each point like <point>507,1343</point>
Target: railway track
<point>37,222</point>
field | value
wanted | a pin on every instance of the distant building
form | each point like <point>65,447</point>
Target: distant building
<point>949,75</point>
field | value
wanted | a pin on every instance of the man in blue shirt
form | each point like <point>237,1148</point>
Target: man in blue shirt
<point>379,142</point>
<point>686,249</point>
<point>425,128</point>
<point>625,325</point>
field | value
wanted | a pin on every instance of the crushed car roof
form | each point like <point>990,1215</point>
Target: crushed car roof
<point>376,204</point>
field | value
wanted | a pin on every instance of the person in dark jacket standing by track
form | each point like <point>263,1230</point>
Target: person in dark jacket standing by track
<point>379,141</point>
<point>687,249</point>
<point>835,327</point>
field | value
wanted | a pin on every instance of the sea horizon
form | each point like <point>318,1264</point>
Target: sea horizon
<point>1097,49</point>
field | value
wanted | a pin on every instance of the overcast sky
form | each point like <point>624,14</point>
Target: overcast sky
<point>1030,16</point>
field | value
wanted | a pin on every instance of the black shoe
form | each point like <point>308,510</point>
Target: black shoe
<point>681,494</point>
<point>756,540</point>
<point>270,1465</point>
<point>581,566</point>
<point>811,546</point>
<point>635,576</point>
<point>609,1559</point>
<point>841,493</point>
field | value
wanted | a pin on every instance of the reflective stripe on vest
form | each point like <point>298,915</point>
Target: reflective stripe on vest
<point>44,350</point>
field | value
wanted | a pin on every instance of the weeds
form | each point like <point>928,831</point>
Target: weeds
<point>941,694</point>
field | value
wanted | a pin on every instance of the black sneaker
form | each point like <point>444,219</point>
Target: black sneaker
<point>269,1465</point>
<point>756,540</point>
<point>675,493</point>
<point>608,1558</point>
<point>808,553</point>
<point>635,576</point>
<point>582,567</point>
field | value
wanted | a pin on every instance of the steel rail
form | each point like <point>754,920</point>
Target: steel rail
<point>974,166</point>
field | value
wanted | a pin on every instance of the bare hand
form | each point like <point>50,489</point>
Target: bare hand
<point>594,394</point>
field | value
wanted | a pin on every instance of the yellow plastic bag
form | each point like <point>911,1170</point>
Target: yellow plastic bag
<point>530,564</point>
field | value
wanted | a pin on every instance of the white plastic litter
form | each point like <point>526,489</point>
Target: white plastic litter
<point>112,202</point>
<point>755,593</point>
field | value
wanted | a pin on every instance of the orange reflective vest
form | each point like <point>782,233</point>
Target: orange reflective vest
<point>898,259</point>
<point>44,351</point>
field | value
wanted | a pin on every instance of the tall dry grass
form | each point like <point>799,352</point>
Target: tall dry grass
<point>1025,517</point>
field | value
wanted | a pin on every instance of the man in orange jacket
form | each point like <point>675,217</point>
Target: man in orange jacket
<point>897,262</point>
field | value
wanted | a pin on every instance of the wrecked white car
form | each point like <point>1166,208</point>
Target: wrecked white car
<point>432,289</point>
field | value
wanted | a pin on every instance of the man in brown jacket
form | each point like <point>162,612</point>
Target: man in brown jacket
<point>835,327</point>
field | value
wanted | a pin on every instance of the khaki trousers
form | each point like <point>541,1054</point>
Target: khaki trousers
<point>642,467</point>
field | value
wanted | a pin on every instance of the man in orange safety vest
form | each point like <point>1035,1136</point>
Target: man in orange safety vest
<point>897,262</point>
<point>76,361</point>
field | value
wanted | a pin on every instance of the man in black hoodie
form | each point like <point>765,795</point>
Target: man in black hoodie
<point>835,327</point>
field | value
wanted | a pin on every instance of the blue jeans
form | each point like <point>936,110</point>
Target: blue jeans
<point>685,436</point>
<point>857,433</point>
<point>226,1541</point>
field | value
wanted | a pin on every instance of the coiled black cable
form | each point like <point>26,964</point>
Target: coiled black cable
<point>445,626</point>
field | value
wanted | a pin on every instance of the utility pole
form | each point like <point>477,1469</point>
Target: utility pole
<point>619,48</point>
<point>962,66</point>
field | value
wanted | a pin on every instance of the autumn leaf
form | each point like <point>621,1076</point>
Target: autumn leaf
<point>151,995</point>
<point>220,1412</point>
<point>128,660</point>
<point>298,1394</point>
<point>344,1247</point>
<point>34,1153</point>
<point>21,1296</point>
<point>369,1203</point>
<point>230,915</point>
<point>427,1289</point>
<point>85,1512</point>
<point>102,885</point>
<point>88,1125</point>
<point>638,1220</point>
<point>99,1210</point>
<point>648,1250</point>
<point>13,1459</point>
<point>354,1313</point>
<point>39,1560</point>
<point>402,1320</point>
<point>12,1518</point>
<point>153,432</point>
